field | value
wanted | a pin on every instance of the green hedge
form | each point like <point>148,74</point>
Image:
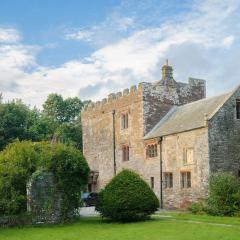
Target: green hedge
<point>127,198</point>
<point>21,159</point>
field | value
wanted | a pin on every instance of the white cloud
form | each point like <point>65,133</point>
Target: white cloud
<point>110,30</point>
<point>196,44</point>
<point>81,35</point>
<point>9,35</point>
<point>228,41</point>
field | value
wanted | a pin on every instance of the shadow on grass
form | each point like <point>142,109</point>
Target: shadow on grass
<point>90,221</point>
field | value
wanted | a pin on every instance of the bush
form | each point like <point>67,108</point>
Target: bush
<point>21,159</point>
<point>197,207</point>
<point>17,163</point>
<point>224,195</point>
<point>127,198</point>
<point>15,220</point>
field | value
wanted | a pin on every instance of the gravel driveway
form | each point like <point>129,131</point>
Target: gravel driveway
<point>88,212</point>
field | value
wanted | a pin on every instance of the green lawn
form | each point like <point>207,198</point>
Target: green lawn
<point>167,226</point>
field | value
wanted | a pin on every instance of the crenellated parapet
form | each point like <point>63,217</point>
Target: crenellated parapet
<point>193,90</point>
<point>114,97</point>
<point>166,91</point>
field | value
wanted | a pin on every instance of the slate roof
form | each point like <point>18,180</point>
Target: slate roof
<point>190,116</point>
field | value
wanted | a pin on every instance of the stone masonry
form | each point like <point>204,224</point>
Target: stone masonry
<point>43,199</point>
<point>173,148</point>
<point>145,105</point>
<point>224,138</point>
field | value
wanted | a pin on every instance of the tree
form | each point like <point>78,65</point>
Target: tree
<point>14,122</point>
<point>18,121</point>
<point>65,116</point>
<point>70,133</point>
<point>17,163</point>
<point>58,122</point>
<point>60,110</point>
<point>127,198</point>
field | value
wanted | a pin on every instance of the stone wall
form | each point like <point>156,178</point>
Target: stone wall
<point>158,99</point>
<point>224,138</point>
<point>43,199</point>
<point>97,125</point>
<point>173,151</point>
<point>145,105</point>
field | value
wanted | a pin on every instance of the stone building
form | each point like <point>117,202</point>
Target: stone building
<point>168,132</point>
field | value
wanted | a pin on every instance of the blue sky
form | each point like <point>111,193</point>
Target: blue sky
<point>43,22</point>
<point>91,48</point>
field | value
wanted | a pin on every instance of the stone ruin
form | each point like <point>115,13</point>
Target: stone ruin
<point>43,199</point>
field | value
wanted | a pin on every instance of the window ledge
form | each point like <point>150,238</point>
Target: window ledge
<point>189,164</point>
<point>186,189</point>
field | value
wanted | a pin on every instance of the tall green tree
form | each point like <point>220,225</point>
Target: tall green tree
<point>59,121</point>
<point>62,111</point>
<point>18,121</point>
<point>65,116</point>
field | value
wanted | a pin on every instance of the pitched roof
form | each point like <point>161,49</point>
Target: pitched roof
<point>190,116</point>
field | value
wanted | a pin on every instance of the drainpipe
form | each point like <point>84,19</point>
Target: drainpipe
<point>114,144</point>
<point>161,173</point>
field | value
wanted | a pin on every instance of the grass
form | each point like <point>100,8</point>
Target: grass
<point>164,226</point>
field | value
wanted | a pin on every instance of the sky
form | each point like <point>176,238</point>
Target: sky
<point>91,48</point>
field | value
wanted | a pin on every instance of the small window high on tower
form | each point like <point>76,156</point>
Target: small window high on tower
<point>124,120</point>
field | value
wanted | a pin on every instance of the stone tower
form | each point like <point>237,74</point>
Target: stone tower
<point>113,129</point>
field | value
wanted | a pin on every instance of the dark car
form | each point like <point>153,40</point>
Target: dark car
<point>89,199</point>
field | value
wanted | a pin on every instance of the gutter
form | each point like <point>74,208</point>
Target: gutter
<point>161,172</point>
<point>114,144</point>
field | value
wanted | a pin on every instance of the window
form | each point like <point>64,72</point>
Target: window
<point>125,153</point>
<point>187,155</point>
<point>168,180</point>
<point>124,120</point>
<point>238,108</point>
<point>185,179</point>
<point>151,150</point>
<point>152,182</point>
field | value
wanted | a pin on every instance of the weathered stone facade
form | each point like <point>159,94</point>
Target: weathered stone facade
<point>43,199</point>
<point>146,105</point>
<point>224,138</point>
<point>173,149</point>
<point>188,139</point>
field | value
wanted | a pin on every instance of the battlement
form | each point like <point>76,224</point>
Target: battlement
<point>196,82</point>
<point>167,90</point>
<point>113,97</point>
<point>155,88</point>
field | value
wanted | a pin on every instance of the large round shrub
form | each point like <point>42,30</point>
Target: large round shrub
<point>127,198</point>
<point>224,194</point>
<point>21,159</point>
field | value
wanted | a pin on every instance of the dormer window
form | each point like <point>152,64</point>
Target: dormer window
<point>124,120</point>
<point>238,108</point>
